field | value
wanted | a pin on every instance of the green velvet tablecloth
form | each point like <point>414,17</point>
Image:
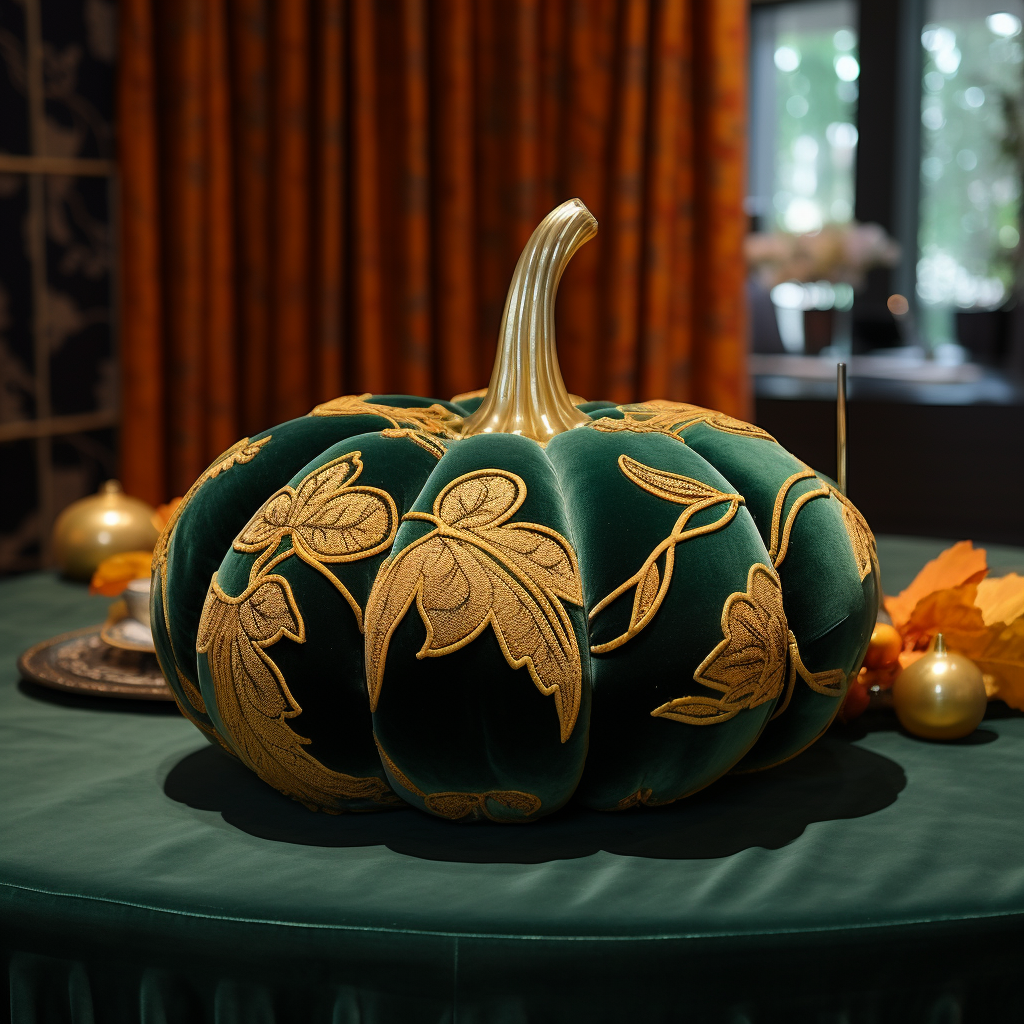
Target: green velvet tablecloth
<point>144,876</point>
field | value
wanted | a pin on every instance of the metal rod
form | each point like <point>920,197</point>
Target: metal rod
<point>841,426</point>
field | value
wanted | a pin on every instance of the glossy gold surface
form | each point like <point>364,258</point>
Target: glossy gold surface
<point>941,696</point>
<point>106,523</point>
<point>526,394</point>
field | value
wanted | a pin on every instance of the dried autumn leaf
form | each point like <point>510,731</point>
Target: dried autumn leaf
<point>951,612</point>
<point>113,574</point>
<point>473,570</point>
<point>998,651</point>
<point>960,564</point>
<point>1001,598</point>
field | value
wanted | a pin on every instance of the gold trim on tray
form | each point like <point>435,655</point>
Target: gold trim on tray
<point>80,662</point>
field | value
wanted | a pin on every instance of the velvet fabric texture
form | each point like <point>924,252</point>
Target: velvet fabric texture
<point>359,603</point>
<point>320,197</point>
<point>146,876</point>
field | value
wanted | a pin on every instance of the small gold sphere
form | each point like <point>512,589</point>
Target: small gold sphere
<point>106,523</point>
<point>941,696</point>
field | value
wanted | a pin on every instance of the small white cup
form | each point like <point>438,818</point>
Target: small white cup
<point>136,596</point>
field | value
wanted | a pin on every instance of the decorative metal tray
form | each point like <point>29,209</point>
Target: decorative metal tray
<point>81,662</point>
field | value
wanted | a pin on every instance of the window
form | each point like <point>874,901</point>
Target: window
<point>804,107</point>
<point>971,153</point>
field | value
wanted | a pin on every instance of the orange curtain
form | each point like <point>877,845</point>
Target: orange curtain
<point>323,197</point>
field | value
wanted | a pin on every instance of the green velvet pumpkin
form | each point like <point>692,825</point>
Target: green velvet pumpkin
<point>375,604</point>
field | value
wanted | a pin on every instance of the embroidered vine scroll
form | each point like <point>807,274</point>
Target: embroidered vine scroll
<point>673,418</point>
<point>436,446</point>
<point>239,453</point>
<point>862,540</point>
<point>647,583</point>
<point>461,805</point>
<point>433,419</point>
<point>779,544</point>
<point>830,683</point>
<point>253,699</point>
<point>748,666</point>
<point>640,797</point>
<point>327,519</point>
<point>476,569</point>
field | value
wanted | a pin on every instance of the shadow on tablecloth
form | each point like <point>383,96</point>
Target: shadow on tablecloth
<point>835,779</point>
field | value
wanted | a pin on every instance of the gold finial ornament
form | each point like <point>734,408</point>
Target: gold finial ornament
<point>104,524</point>
<point>941,696</point>
<point>526,394</point>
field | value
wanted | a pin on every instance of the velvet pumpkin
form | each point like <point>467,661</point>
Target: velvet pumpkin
<point>488,606</point>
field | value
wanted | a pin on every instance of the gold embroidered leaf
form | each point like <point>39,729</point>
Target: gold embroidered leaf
<point>241,452</point>
<point>352,524</point>
<point>269,523</point>
<point>829,683</point>
<point>456,595</point>
<point>682,490</point>
<point>479,500</point>
<point>434,419</point>
<point>695,711</point>
<point>332,519</point>
<point>460,805</point>
<point>430,443</point>
<point>748,666</point>
<point>611,425</point>
<point>862,540</point>
<point>641,796</point>
<point>647,592</point>
<point>541,554</point>
<point>470,571</point>
<point>254,701</point>
<point>675,417</point>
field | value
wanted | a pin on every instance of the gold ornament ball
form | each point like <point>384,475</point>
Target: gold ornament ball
<point>941,696</point>
<point>105,524</point>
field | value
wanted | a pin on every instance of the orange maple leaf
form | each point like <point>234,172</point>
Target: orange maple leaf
<point>961,564</point>
<point>1001,599</point>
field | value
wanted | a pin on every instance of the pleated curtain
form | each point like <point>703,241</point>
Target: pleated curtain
<point>329,197</point>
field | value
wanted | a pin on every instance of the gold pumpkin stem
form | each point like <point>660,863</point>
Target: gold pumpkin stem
<point>526,394</point>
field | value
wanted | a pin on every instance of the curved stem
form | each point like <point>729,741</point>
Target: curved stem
<point>526,394</point>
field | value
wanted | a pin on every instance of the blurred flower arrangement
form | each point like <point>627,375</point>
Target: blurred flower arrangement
<point>980,617</point>
<point>836,253</point>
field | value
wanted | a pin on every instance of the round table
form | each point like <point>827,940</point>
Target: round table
<point>145,876</point>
